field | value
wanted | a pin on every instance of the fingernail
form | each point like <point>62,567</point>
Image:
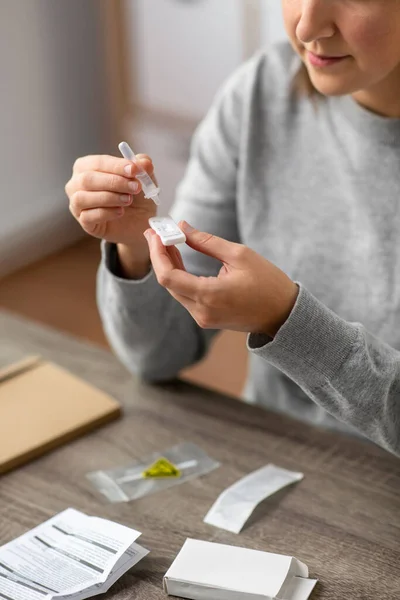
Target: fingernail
<point>147,234</point>
<point>128,169</point>
<point>125,199</point>
<point>134,186</point>
<point>187,228</point>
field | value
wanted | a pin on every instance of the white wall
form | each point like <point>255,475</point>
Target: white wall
<point>273,29</point>
<point>51,111</point>
<point>180,51</point>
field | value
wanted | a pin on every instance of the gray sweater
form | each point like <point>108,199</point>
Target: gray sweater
<point>315,191</point>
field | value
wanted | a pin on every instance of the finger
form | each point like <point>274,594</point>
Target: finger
<point>175,280</point>
<point>211,245</point>
<point>146,163</point>
<point>113,165</point>
<point>98,216</point>
<point>176,257</point>
<point>202,319</point>
<point>93,181</point>
<point>83,200</point>
<point>162,258</point>
<point>173,257</point>
<point>187,303</point>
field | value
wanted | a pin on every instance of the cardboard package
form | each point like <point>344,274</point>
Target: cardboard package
<point>209,571</point>
<point>43,406</point>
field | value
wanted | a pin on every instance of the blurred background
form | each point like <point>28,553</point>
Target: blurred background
<point>77,77</point>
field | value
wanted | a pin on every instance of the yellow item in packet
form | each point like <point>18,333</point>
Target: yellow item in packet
<point>161,468</point>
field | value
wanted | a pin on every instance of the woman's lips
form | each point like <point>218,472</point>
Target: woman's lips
<point>324,61</point>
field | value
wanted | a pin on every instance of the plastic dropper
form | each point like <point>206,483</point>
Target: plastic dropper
<point>149,188</point>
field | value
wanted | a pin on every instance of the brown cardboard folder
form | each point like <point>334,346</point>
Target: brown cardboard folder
<point>43,406</point>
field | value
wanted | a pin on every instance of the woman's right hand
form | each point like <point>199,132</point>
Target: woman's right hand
<point>107,201</point>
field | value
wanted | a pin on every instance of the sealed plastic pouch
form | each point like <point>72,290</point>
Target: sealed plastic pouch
<point>156,472</point>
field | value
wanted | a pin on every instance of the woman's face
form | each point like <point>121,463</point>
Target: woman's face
<point>363,36</point>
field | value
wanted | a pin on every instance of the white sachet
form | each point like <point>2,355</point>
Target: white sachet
<point>235,505</point>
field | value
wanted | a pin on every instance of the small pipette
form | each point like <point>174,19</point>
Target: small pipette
<point>149,188</point>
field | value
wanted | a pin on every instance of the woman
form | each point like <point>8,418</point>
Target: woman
<point>293,185</point>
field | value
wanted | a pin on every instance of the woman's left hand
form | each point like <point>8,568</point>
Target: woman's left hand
<point>250,294</point>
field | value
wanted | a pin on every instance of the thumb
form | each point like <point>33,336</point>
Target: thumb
<point>208,244</point>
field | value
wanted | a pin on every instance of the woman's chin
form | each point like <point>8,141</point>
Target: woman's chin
<point>330,84</point>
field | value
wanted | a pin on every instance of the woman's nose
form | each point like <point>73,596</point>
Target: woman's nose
<point>316,21</point>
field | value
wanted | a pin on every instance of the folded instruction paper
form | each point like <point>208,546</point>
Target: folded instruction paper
<point>235,505</point>
<point>209,571</point>
<point>70,556</point>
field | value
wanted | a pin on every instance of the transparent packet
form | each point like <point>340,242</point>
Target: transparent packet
<point>122,484</point>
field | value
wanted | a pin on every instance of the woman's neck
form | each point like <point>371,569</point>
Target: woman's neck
<point>383,98</point>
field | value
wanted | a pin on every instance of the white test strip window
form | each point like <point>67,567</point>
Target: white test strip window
<point>168,230</point>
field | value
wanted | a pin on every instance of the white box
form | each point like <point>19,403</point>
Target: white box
<point>209,571</point>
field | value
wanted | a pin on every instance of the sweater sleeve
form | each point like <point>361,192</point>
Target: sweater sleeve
<point>152,334</point>
<point>340,365</point>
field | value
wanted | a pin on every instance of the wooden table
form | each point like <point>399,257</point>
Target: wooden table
<point>342,520</point>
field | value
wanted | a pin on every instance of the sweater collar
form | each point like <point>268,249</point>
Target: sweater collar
<point>377,128</point>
